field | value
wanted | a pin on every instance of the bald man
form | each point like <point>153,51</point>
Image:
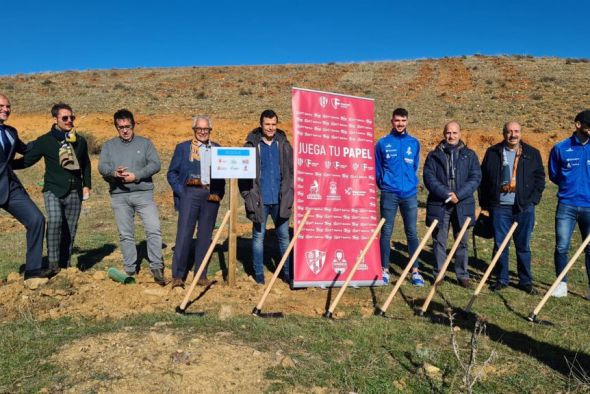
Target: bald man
<point>513,180</point>
<point>13,197</point>
<point>451,175</point>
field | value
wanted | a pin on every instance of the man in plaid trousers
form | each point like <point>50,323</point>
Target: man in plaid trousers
<point>66,182</point>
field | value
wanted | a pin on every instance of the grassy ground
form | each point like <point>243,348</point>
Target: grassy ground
<point>357,353</point>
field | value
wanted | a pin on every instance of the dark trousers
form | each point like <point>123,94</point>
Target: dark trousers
<point>439,244</point>
<point>20,205</point>
<point>502,218</point>
<point>193,211</point>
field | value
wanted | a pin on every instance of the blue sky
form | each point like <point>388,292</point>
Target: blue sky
<point>79,35</point>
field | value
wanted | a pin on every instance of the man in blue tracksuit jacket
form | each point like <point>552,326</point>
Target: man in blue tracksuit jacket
<point>569,169</point>
<point>396,161</point>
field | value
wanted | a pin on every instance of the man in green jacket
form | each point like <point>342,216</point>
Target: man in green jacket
<point>66,182</point>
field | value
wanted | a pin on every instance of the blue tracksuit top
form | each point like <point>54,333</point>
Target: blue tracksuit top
<point>396,162</point>
<point>569,169</point>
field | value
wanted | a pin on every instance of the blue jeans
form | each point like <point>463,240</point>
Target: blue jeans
<point>502,218</point>
<point>409,210</point>
<point>258,232</point>
<point>566,217</point>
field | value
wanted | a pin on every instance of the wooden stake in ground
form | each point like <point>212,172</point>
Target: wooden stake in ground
<point>232,239</point>
<point>187,297</point>
<point>400,281</point>
<point>483,280</point>
<point>533,316</point>
<point>443,269</point>
<point>330,310</point>
<point>258,308</point>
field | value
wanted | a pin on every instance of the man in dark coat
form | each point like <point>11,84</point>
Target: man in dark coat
<point>271,193</point>
<point>13,197</point>
<point>451,175</point>
<point>66,182</point>
<point>197,197</point>
<point>513,179</point>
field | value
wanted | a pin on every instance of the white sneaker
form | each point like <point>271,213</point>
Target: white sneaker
<point>560,291</point>
<point>385,275</point>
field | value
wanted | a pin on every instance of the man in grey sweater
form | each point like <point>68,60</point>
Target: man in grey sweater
<point>127,163</point>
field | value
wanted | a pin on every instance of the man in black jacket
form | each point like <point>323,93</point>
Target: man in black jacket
<point>67,181</point>
<point>13,197</point>
<point>451,175</point>
<point>513,179</point>
<point>271,193</point>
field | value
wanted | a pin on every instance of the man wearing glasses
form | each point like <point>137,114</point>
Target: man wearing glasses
<point>13,197</point>
<point>127,163</point>
<point>196,198</point>
<point>66,182</point>
<point>569,169</point>
<point>271,193</point>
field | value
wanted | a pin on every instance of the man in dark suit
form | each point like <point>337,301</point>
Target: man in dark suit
<point>13,197</point>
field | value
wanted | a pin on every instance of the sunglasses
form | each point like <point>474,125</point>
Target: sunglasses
<point>66,118</point>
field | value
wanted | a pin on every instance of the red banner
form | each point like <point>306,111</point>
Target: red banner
<point>335,180</point>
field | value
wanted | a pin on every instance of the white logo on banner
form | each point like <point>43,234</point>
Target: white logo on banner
<point>323,101</point>
<point>362,265</point>
<point>355,166</point>
<point>337,103</point>
<point>315,260</point>
<point>300,162</point>
<point>314,191</point>
<point>339,263</point>
<point>333,194</point>
<point>328,164</point>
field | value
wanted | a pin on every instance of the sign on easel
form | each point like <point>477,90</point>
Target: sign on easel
<point>238,163</point>
<point>233,163</point>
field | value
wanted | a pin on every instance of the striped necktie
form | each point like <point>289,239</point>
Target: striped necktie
<point>5,141</point>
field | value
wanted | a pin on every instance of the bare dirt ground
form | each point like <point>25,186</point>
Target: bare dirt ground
<point>164,361</point>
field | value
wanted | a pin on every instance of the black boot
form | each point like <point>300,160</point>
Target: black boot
<point>159,276</point>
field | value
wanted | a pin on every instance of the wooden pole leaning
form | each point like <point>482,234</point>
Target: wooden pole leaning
<point>483,280</point>
<point>400,281</point>
<point>443,269</point>
<point>257,309</point>
<point>330,311</point>
<point>533,316</point>
<point>181,309</point>
<point>232,243</point>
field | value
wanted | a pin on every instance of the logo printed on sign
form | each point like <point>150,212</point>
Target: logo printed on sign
<point>339,263</point>
<point>333,194</point>
<point>314,191</point>
<point>315,260</point>
<point>328,164</point>
<point>323,101</point>
<point>300,162</point>
<point>337,103</point>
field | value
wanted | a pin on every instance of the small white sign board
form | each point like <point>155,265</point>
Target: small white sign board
<point>237,163</point>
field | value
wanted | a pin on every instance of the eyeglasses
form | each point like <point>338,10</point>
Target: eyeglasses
<point>202,130</point>
<point>125,126</point>
<point>66,118</point>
